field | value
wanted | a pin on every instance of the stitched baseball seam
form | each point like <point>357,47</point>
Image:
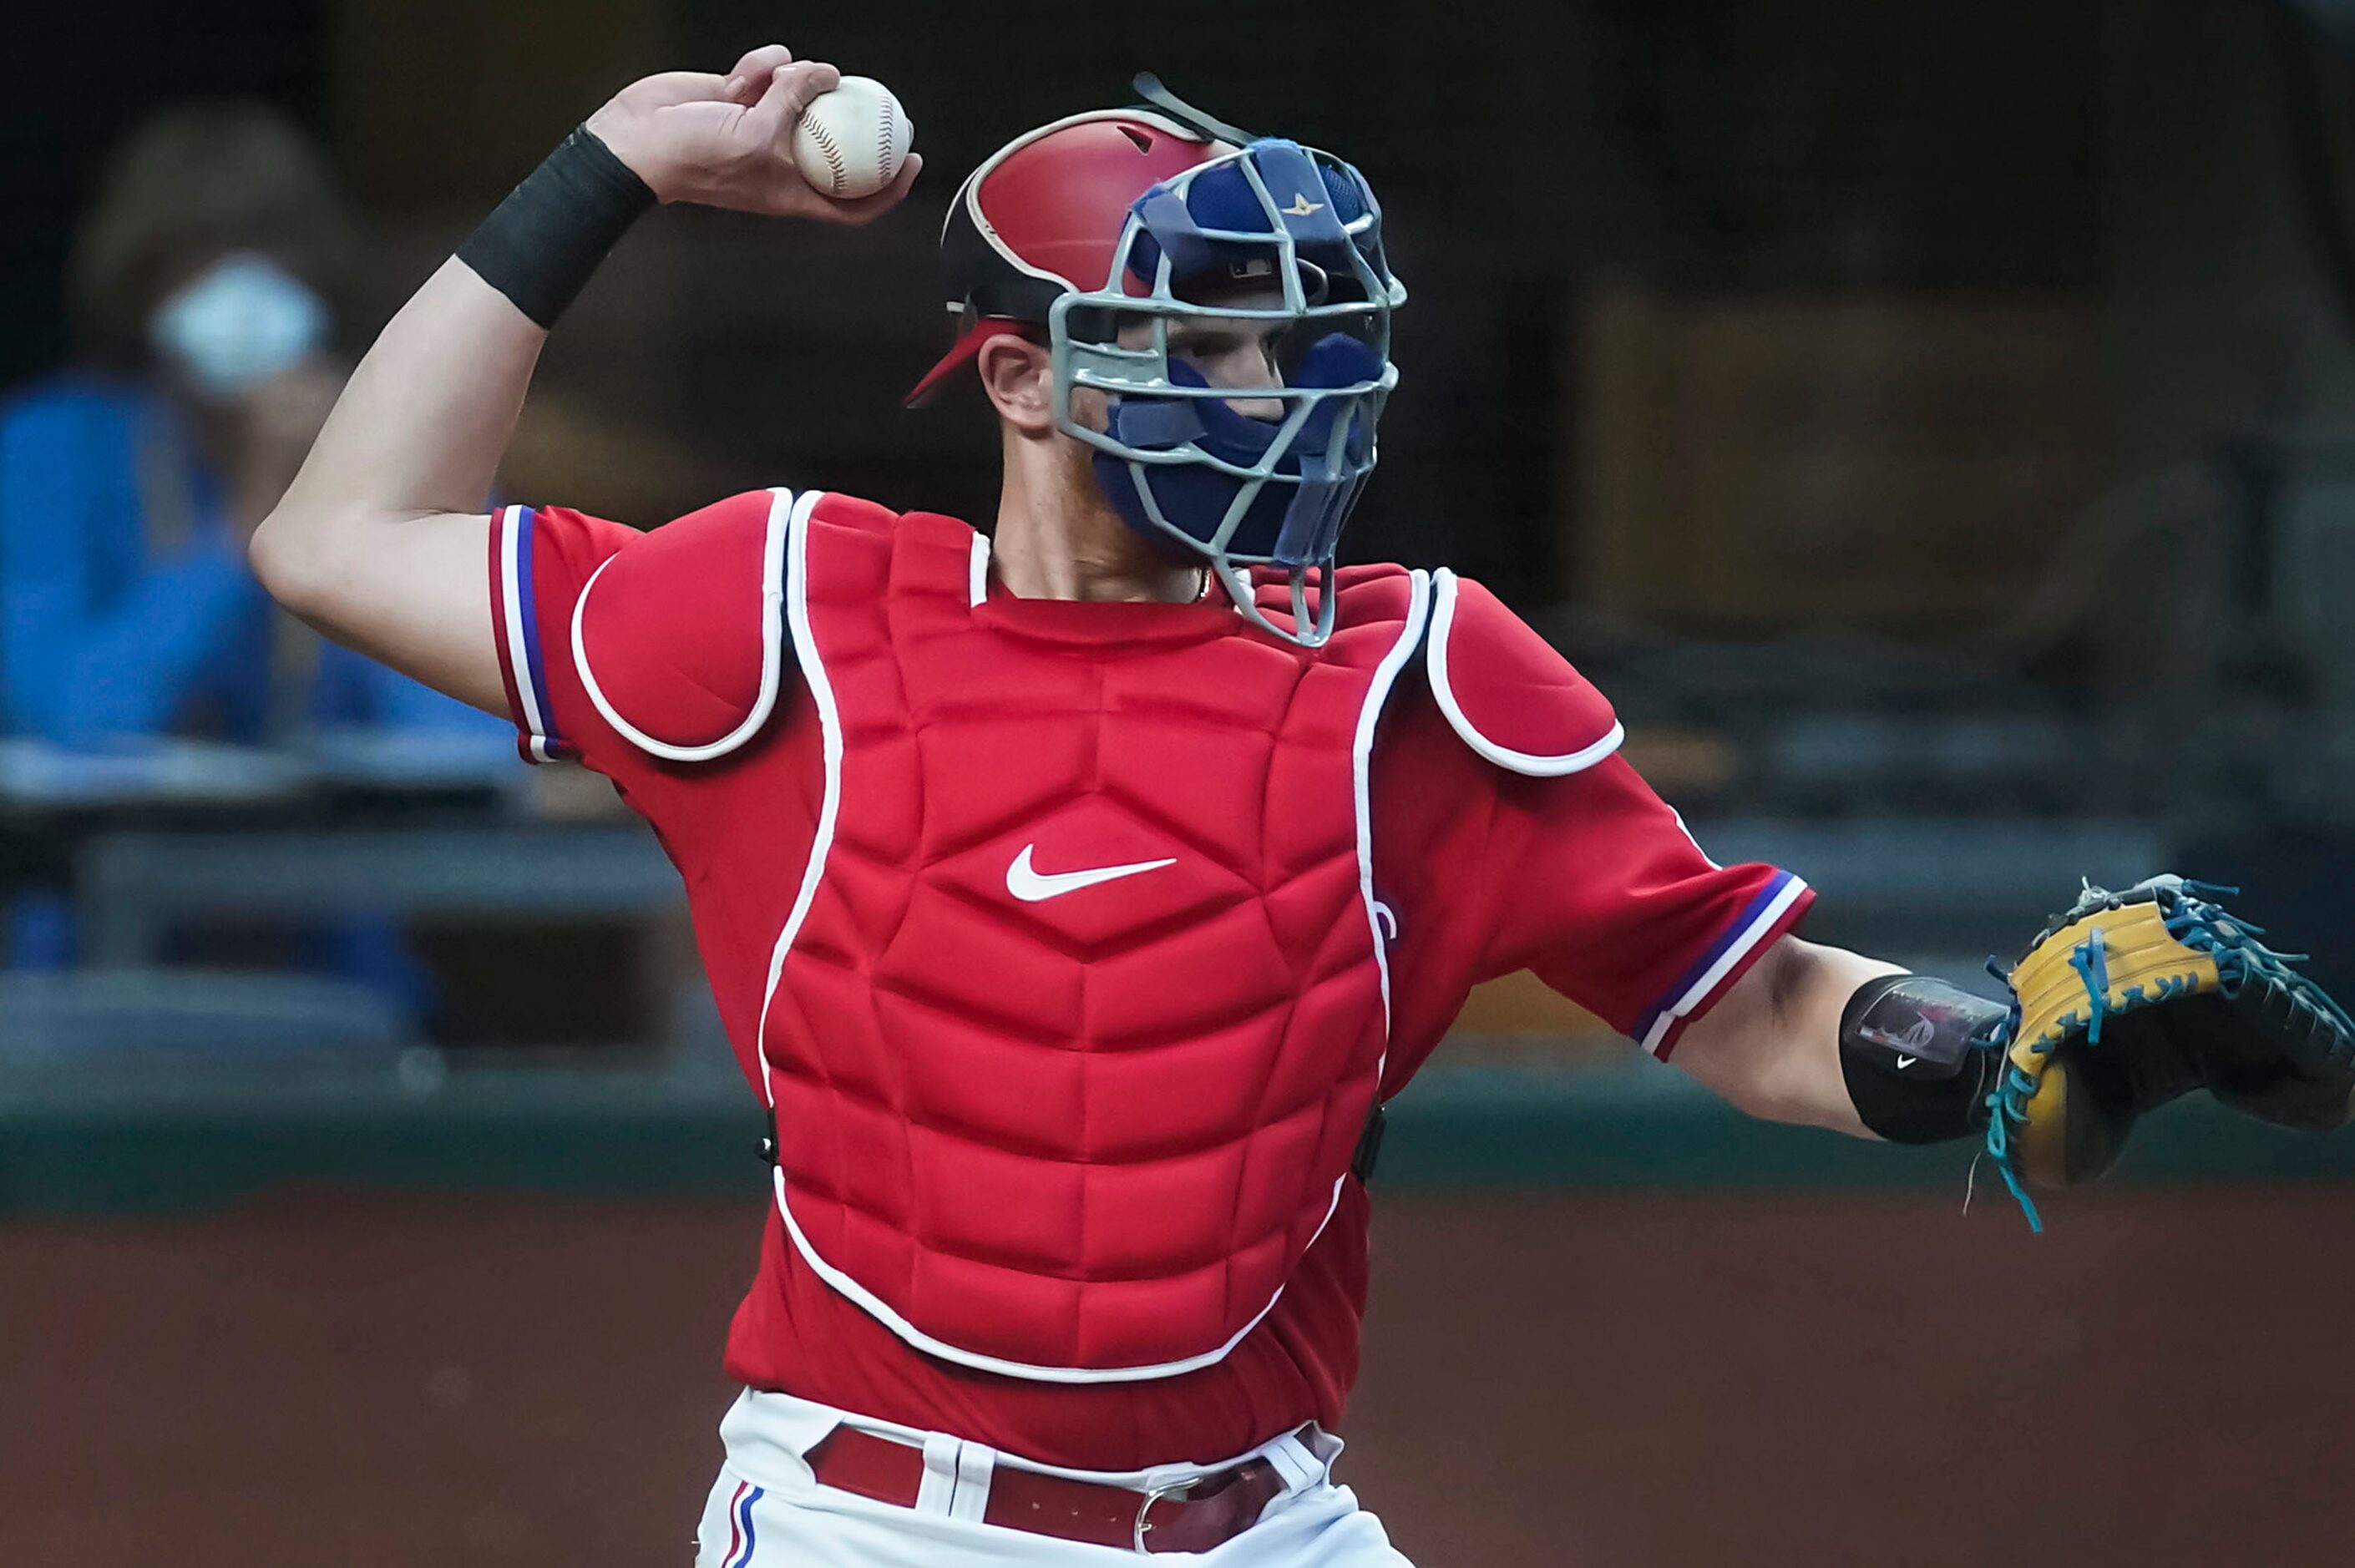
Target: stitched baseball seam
<point>833,153</point>
<point>883,138</point>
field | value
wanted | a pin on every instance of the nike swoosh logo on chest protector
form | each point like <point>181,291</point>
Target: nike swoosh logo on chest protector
<point>1034,886</point>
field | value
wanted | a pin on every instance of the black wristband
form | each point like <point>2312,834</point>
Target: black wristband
<point>1919,1058</point>
<point>541,245</point>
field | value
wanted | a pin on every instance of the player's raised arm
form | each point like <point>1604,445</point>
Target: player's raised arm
<point>380,542</point>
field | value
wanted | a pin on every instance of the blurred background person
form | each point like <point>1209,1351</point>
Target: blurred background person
<point>204,284</point>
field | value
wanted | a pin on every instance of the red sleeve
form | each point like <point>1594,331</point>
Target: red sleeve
<point>541,557</point>
<point>620,648</point>
<point>1605,895</point>
<point>1587,878</point>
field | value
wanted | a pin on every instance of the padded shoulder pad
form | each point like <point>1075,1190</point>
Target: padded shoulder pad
<point>1512,697</point>
<point>833,510</point>
<point>679,636</point>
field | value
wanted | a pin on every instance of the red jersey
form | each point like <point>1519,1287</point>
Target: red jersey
<point>1497,830</point>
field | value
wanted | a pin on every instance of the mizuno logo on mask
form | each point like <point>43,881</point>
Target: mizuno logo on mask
<point>1034,886</point>
<point>1302,207</point>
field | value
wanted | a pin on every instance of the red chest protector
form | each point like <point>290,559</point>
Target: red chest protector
<point>1079,1011</point>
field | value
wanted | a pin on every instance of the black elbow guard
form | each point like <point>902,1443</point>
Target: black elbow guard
<point>1920,1059</point>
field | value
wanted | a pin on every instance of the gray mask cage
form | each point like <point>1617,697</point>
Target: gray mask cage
<point>1176,458</point>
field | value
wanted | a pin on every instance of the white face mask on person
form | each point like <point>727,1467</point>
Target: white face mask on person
<point>241,321</point>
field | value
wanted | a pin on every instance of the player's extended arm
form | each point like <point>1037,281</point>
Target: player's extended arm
<point>2125,1003</point>
<point>381,542</point>
<point>1817,1035</point>
<point>1772,1045</point>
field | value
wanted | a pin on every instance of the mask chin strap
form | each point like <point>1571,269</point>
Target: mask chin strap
<point>1149,86</point>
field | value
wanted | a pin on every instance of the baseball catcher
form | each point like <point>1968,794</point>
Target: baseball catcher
<point>1077,887</point>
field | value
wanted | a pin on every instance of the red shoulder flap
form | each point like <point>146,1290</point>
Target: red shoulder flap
<point>679,636</point>
<point>1513,698</point>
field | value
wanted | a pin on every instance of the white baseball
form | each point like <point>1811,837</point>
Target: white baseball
<point>851,141</point>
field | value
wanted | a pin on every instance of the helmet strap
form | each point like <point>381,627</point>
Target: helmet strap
<point>1185,114</point>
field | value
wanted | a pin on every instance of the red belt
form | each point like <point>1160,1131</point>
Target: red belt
<point>1207,1513</point>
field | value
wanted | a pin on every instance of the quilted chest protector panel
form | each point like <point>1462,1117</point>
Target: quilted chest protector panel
<point>1085,1014</point>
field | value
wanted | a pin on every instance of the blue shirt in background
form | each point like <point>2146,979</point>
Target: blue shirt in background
<point>127,610</point>
<point>116,621</point>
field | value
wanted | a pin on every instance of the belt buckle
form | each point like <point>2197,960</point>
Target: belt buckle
<point>1153,1495</point>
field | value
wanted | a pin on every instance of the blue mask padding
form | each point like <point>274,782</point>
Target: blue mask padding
<point>1304,522</point>
<point>1156,424</point>
<point>1196,499</point>
<point>1345,188</point>
<point>1160,424</point>
<point>1165,224</point>
<point>1352,201</point>
<point>1337,359</point>
<point>1222,198</point>
<point>1312,523</point>
<point>1296,180</point>
<point>1295,524</point>
<point>1193,497</point>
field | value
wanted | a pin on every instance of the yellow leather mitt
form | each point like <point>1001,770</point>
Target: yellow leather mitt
<point>2135,998</point>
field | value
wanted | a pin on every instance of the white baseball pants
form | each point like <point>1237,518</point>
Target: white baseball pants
<point>768,1511</point>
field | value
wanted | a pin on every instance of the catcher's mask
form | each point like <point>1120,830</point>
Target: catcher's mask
<point>1107,228</point>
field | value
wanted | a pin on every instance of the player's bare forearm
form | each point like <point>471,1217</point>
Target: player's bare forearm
<point>1770,1046</point>
<point>379,542</point>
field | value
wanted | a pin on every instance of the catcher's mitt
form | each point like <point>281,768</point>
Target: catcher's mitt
<point>2135,998</point>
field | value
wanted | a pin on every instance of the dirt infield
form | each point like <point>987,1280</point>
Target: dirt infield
<point>1585,1380</point>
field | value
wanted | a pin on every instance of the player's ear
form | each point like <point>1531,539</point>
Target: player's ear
<point>1015,372</point>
